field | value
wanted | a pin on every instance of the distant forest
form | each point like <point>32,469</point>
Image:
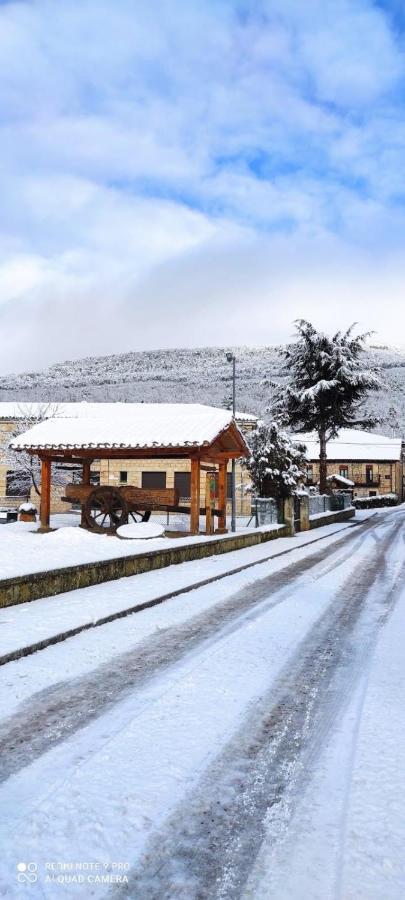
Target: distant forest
<point>198,375</point>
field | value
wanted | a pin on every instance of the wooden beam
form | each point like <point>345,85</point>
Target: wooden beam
<point>86,481</point>
<point>86,472</point>
<point>222,455</point>
<point>222,485</point>
<point>78,454</point>
<point>195,495</point>
<point>45,507</point>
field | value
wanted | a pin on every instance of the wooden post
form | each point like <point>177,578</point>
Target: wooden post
<point>45,507</point>
<point>85,480</point>
<point>211,493</point>
<point>222,485</point>
<point>195,495</point>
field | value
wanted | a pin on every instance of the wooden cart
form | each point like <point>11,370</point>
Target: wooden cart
<point>105,508</point>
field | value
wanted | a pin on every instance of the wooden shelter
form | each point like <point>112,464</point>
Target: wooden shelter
<point>208,437</point>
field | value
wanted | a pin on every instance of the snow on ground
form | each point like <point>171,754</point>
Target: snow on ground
<point>347,836</point>
<point>101,793</point>
<point>103,787</point>
<point>29,623</point>
<point>23,551</point>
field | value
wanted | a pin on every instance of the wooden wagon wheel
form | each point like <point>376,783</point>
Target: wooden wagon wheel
<point>105,510</point>
<point>137,516</point>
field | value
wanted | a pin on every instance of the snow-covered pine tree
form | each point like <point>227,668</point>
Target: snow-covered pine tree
<point>326,385</point>
<point>277,464</point>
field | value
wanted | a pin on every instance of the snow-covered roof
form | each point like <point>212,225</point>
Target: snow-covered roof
<point>245,417</point>
<point>341,480</point>
<point>33,409</point>
<point>129,425</point>
<point>352,444</point>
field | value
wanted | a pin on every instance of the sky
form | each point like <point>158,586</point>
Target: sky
<point>198,172</point>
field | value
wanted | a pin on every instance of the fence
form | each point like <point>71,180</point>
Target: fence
<point>266,511</point>
<point>321,503</point>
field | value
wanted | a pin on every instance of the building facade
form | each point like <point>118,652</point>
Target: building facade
<point>373,462</point>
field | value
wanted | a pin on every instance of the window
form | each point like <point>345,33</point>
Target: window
<point>369,474</point>
<point>372,493</point>
<point>153,480</point>
<point>310,474</point>
<point>95,478</point>
<point>387,477</point>
<point>229,485</point>
<point>344,471</point>
<point>182,483</point>
<point>123,477</point>
<point>18,484</point>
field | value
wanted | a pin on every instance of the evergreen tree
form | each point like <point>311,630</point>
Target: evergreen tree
<point>277,464</point>
<point>326,385</point>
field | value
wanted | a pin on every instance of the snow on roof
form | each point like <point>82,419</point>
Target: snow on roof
<point>245,417</point>
<point>49,410</point>
<point>135,425</point>
<point>32,409</point>
<point>341,480</point>
<point>352,444</point>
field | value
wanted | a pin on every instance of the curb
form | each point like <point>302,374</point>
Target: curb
<point>155,601</point>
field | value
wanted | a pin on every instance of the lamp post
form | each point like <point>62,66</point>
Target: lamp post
<point>231,359</point>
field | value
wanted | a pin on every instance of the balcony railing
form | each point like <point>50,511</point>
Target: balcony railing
<point>368,482</point>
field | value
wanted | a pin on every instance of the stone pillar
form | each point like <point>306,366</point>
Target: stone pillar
<point>304,513</point>
<point>289,515</point>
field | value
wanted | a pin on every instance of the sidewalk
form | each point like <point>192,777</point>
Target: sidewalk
<point>32,626</point>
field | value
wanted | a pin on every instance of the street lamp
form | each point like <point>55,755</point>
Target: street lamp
<point>231,359</point>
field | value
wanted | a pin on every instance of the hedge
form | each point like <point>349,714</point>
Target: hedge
<point>378,501</point>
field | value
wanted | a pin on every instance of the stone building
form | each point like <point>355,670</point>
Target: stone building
<point>373,462</point>
<point>156,473</point>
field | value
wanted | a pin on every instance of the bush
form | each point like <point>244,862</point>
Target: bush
<point>375,502</point>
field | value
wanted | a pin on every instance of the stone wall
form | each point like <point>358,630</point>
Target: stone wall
<point>47,584</point>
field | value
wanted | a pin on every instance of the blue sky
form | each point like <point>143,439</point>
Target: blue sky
<point>191,172</point>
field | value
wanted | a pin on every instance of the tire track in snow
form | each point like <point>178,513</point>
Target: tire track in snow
<point>207,849</point>
<point>51,716</point>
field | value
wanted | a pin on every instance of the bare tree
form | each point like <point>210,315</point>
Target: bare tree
<point>24,470</point>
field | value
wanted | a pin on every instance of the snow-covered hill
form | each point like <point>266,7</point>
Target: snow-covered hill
<point>194,375</point>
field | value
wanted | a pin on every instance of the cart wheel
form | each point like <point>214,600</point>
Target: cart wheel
<point>105,510</point>
<point>138,516</point>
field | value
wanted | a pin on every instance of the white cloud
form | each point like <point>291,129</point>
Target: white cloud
<point>164,163</point>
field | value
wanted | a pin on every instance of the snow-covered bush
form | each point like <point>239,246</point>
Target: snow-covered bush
<point>378,501</point>
<point>277,464</point>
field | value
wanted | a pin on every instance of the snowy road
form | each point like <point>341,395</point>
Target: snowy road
<point>245,745</point>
